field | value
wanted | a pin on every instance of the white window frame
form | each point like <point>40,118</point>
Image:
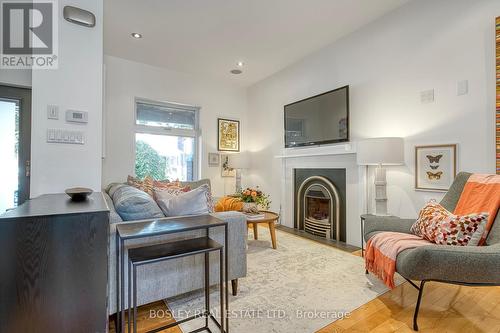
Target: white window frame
<point>169,131</point>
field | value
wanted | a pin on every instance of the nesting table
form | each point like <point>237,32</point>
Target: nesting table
<point>171,250</point>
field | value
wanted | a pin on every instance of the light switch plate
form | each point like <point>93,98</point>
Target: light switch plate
<point>427,96</point>
<point>462,88</point>
<point>65,136</point>
<point>52,112</point>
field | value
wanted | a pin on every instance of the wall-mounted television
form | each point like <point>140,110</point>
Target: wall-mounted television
<point>319,119</point>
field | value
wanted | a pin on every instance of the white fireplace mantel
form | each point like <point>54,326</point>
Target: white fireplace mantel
<point>337,149</point>
<point>327,157</point>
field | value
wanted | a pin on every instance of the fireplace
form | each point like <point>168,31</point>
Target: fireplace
<point>320,202</point>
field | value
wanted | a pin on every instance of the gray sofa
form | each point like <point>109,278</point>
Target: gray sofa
<point>179,276</point>
<point>465,265</point>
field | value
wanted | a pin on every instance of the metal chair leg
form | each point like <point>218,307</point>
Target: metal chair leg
<point>417,306</point>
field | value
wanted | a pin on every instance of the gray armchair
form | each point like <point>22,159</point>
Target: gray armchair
<point>464,265</point>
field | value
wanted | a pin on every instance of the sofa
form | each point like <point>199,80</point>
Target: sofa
<point>464,265</point>
<point>175,277</point>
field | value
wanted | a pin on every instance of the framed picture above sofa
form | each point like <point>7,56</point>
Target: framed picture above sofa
<point>228,135</point>
<point>435,167</point>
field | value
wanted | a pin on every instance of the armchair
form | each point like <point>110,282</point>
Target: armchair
<point>463,265</point>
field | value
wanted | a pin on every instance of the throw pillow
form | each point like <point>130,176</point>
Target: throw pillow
<point>226,204</point>
<point>133,204</point>
<point>145,185</point>
<point>148,185</point>
<point>195,202</point>
<point>440,226</point>
<point>165,184</point>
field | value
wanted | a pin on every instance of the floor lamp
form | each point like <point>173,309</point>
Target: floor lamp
<point>380,152</point>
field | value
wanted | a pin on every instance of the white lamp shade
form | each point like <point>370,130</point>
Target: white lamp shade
<point>239,161</point>
<point>385,151</point>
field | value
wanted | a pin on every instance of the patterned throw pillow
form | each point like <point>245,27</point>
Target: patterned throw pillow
<point>166,184</point>
<point>149,185</point>
<point>145,185</point>
<point>440,226</point>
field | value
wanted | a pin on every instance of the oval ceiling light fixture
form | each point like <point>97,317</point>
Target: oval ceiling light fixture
<point>136,35</point>
<point>236,71</point>
<point>240,63</point>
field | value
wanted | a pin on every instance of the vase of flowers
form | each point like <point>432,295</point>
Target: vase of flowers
<point>253,200</point>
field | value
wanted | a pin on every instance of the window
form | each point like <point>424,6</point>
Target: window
<point>166,141</point>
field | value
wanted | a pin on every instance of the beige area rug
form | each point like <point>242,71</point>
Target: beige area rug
<point>300,287</point>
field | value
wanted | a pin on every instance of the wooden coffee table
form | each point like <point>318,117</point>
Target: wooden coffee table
<point>269,219</point>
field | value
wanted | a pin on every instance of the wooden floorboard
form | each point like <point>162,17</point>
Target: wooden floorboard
<point>146,322</point>
<point>444,309</point>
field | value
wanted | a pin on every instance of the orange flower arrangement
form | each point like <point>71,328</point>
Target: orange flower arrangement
<point>255,195</point>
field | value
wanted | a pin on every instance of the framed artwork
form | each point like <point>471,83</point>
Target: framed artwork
<point>435,167</point>
<point>213,159</point>
<point>228,135</point>
<point>226,171</point>
<point>497,142</point>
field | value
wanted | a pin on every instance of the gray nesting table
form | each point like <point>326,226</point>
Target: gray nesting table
<point>170,250</point>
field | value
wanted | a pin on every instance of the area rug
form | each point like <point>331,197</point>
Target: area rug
<point>301,286</point>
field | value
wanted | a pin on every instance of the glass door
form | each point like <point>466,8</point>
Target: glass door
<point>15,126</point>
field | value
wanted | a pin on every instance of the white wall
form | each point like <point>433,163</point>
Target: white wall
<point>425,44</point>
<point>127,80</point>
<point>76,84</point>
<point>15,77</point>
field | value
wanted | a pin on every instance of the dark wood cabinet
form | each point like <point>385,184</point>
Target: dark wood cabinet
<point>54,265</point>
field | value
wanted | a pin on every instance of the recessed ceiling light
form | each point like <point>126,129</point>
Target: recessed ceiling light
<point>136,35</point>
<point>236,71</point>
<point>240,63</point>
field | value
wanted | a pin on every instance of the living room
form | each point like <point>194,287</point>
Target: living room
<point>302,132</point>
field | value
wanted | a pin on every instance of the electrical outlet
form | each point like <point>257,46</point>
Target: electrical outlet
<point>427,96</point>
<point>462,88</point>
<point>52,112</point>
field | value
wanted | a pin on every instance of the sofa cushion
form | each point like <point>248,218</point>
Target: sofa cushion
<point>195,202</point>
<point>133,204</point>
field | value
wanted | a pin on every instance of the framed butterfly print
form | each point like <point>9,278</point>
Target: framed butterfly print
<point>435,167</point>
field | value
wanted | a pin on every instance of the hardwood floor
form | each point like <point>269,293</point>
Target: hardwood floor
<point>445,309</point>
<point>146,323</point>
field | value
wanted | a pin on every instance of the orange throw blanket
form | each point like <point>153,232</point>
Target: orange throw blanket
<point>226,204</point>
<point>382,250</point>
<point>481,194</point>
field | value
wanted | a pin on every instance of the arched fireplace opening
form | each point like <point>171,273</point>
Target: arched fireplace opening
<point>318,206</point>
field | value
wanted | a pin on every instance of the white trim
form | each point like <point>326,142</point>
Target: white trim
<point>168,131</point>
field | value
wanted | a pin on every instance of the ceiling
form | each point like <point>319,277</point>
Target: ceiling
<point>208,37</point>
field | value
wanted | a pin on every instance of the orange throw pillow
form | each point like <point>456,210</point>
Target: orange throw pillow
<point>226,204</point>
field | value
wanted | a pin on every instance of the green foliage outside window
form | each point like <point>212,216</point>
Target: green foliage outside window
<point>149,162</point>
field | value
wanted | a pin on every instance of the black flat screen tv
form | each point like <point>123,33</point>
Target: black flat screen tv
<point>317,120</point>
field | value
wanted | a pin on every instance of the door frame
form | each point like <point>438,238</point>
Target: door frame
<point>24,154</point>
